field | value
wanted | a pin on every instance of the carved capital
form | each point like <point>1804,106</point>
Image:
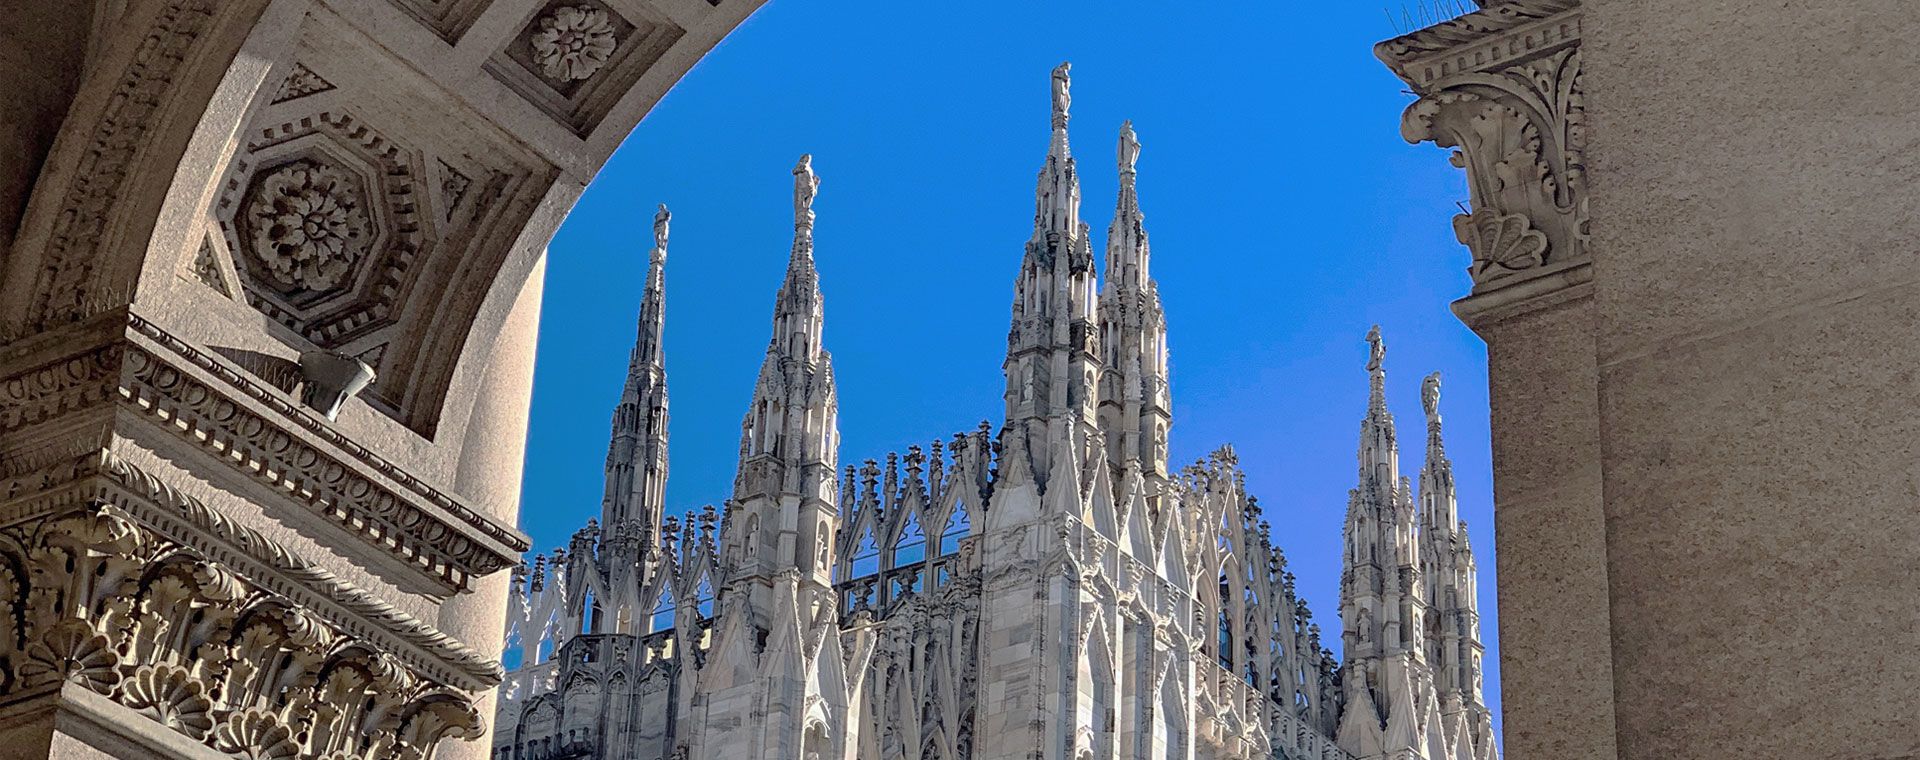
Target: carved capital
<point>118,608</point>
<point>1521,135</point>
<point>1501,86</point>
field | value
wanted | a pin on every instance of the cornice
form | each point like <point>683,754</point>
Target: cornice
<point>261,432</point>
<point>1553,288</point>
<point>103,477</point>
<point>1487,38</point>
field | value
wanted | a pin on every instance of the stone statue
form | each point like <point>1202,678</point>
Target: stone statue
<point>1129,148</point>
<point>660,220</point>
<point>1430,394</point>
<point>1061,99</point>
<point>805,185</point>
<point>1377,349</point>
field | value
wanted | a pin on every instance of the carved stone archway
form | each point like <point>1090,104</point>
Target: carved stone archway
<point>219,216</point>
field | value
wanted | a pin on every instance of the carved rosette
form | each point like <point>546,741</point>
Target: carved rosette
<point>309,225</point>
<point>573,42</point>
<point>110,605</point>
<point>1519,129</point>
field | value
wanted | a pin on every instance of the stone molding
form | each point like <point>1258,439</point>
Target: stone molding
<point>412,519</point>
<point>1486,39</point>
<point>263,433</point>
<point>65,281</point>
<point>94,598</point>
<point>106,479</point>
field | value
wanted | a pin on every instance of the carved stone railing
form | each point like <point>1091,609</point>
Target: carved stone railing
<point>1502,86</point>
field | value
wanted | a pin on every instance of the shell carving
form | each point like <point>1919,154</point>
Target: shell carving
<point>71,651</point>
<point>169,695</point>
<point>256,735</point>
<point>1501,243</point>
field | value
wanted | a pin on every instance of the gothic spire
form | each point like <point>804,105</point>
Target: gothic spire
<point>636,471</point>
<point>1383,599</point>
<point>1379,444</point>
<point>1127,254</point>
<point>1135,396</point>
<point>1439,509</point>
<point>789,438</point>
<point>1449,574</point>
<point>1056,222</point>
<point>1051,348</point>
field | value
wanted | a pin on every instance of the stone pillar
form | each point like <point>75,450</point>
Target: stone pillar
<point>1722,396</point>
<point>1503,88</point>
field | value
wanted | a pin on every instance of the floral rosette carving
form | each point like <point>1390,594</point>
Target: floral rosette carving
<point>310,225</point>
<point>573,42</point>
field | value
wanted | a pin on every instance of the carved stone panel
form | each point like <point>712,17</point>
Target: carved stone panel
<point>573,59</point>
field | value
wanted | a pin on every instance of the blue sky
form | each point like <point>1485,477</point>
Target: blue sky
<point>1286,213</point>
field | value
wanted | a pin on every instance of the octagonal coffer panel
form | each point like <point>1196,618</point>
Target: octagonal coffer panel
<point>323,216</point>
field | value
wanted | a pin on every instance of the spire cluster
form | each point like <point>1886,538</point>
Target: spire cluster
<point>1412,643</point>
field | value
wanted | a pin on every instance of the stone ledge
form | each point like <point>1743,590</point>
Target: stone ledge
<point>257,430</point>
<point>105,478</point>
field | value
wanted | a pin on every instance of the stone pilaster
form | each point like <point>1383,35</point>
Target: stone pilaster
<point>1502,87</point>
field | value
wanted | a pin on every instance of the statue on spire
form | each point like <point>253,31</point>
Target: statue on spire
<point>1430,395</point>
<point>805,185</point>
<point>1377,350</point>
<point>660,219</point>
<point>1129,148</point>
<point>1061,98</point>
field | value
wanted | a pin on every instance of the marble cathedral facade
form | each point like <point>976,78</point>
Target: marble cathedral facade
<point>1051,588</point>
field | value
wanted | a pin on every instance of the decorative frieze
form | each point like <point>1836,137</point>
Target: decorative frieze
<point>262,433</point>
<point>65,284</point>
<point>311,463</point>
<point>96,598</point>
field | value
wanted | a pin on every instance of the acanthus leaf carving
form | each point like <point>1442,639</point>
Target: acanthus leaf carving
<point>172,696</point>
<point>1520,134</point>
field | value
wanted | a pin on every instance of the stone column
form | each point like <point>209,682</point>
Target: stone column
<point>1502,87</point>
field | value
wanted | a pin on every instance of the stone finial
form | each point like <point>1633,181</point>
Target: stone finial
<point>661,219</point>
<point>1061,97</point>
<point>1377,350</point>
<point>330,378</point>
<point>1129,149</point>
<point>806,185</point>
